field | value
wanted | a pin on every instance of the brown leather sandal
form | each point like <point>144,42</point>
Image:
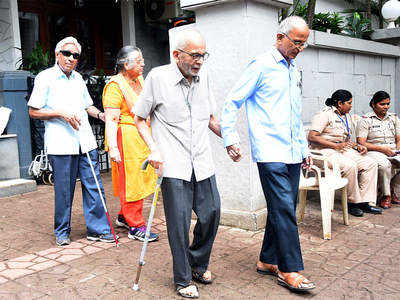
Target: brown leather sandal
<point>386,202</point>
<point>294,282</point>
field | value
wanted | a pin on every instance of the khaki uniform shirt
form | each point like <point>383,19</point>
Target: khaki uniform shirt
<point>180,114</point>
<point>333,127</point>
<point>377,131</point>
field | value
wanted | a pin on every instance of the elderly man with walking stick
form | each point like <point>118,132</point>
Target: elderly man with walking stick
<point>270,88</point>
<point>179,100</point>
<point>60,97</point>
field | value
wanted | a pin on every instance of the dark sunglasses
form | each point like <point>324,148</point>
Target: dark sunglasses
<point>67,53</point>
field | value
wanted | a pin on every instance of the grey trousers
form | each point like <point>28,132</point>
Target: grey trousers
<point>180,198</point>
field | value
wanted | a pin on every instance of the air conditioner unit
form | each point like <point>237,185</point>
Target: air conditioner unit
<point>161,10</point>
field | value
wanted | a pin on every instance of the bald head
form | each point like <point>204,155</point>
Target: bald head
<point>287,25</point>
<point>188,36</point>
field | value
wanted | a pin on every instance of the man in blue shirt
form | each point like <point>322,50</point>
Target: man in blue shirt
<point>60,97</point>
<point>270,90</point>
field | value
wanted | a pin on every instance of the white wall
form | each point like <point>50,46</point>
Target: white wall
<point>354,68</point>
<point>331,6</point>
<point>9,35</point>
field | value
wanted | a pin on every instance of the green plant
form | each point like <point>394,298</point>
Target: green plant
<point>321,21</point>
<point>336,23</point>
<point>38,60</point>
<point>358,26</point>
<point>301,10</point>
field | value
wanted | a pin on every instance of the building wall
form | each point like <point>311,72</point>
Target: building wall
<point>331,6</point>
<point>325,70</point>
<point>9,35</point>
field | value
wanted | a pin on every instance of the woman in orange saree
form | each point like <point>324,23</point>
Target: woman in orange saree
<point>126,148</point>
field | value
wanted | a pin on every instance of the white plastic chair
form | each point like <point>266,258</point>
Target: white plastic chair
<point>327,182</point>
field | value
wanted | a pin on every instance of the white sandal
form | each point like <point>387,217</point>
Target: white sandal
<point>190,291</point>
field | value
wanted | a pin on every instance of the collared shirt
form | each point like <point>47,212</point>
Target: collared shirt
<point>180,114</point>
<point>53,90</point>
<point>270,89</point>
<point>332,126</point>
<point>379,131</point>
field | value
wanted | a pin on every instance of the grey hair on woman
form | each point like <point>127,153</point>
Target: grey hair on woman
<point>287,24</point>
<point>67,40</point>
<point>126,54</point>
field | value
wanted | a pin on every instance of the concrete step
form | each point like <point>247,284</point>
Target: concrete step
<point>16,186</point>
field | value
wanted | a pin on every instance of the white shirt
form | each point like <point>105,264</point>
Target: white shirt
<point>53,90</point>
<point>180,115</point>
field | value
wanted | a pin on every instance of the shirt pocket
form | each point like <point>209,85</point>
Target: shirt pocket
<point>201,109</point>
<point>376,128</point>
<point>391,128</point>
<point>173,111</point>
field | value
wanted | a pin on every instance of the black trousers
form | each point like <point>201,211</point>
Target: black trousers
<point>281,245</point>
<point>180,198</point>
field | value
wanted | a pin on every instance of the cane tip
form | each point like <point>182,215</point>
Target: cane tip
<point>135,287</point>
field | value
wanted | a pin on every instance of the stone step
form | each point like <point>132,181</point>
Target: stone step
<point>16,186</point>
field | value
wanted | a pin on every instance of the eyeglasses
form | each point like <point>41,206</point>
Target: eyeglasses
<point>136,61</point>
<point>297,43</point>
<point>67,53</point>
<point>196,56</point>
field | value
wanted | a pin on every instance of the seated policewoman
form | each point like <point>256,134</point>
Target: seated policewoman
<point>379,131</point>
<point>332,133</point>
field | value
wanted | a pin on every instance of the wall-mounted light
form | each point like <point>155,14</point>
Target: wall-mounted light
<point>390,12</point>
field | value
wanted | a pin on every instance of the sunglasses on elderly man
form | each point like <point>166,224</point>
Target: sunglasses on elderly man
<point>67,53</point>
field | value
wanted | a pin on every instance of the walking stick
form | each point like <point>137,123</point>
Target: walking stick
<point>102,199</point>
<point>146,238</point>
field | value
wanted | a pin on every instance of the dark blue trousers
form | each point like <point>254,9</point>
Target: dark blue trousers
<point>281,245</point>
<point>65,170</point>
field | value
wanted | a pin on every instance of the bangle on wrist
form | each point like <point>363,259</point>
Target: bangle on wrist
<point>98,115</point>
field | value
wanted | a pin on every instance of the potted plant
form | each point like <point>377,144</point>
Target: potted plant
<point>358,26</point>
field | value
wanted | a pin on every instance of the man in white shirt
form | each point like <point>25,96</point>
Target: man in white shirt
<point>61,99</point>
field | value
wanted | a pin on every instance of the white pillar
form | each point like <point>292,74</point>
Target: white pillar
<point>10,41</point>
<point>235,32</point>
<point>128,23</point>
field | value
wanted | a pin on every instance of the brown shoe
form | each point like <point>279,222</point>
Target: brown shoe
<point>395,200</point>
<point>386,202</point>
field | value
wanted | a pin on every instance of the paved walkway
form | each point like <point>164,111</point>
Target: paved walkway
<point>362,261</point>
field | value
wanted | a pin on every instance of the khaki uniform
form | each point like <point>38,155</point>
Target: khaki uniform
<point>360,170</point>
<point>382,132</point>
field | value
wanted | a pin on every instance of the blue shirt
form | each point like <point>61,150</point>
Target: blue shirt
<point>270,89</point>
<point>53,90</point>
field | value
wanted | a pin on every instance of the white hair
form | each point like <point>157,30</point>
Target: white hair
<point>287,24</point>
<point>184,36</point>
<point>67,40</point>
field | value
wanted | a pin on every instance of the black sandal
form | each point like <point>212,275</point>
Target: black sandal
<point>199,277</point>
<point>180,291</point>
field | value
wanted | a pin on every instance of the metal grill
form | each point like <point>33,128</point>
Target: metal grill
<point>98,131</point>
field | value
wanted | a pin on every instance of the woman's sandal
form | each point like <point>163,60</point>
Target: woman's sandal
<point>269,271</point>
<point>295,282</point>
<point>199,277</point>
<point>190,291</point>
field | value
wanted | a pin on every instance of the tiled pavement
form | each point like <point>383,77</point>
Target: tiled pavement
<point>362,261</point>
